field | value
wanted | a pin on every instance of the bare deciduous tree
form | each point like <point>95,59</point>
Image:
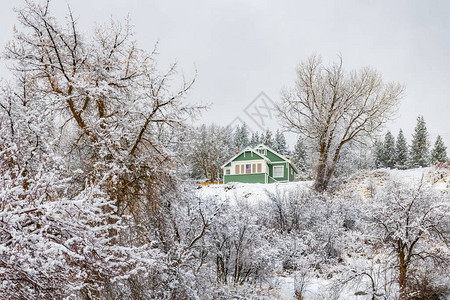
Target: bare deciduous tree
<point>333,108</point>
<point>413,226</point>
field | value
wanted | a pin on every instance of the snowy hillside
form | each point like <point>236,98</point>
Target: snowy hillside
<point>365,183</point>
<point>361,184</point>
<point>356,254</point>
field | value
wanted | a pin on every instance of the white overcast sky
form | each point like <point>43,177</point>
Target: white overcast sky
<point>241,48</point>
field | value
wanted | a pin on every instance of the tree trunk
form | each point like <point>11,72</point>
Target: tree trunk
<point>330,169</point>
<point>212,174</point>
<point>402,274</point>
<point>320,185</point>
<point>204,166</point>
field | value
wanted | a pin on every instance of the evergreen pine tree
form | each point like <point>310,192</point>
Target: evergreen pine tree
<point>254,141</point>
<point>401,151</point>
<point>388,158</point>
<point>245,136</point>
<point>241,137</point>
<point>261,138</point>
<point>300,156</point>
<point>268,139</point>
<point>237,138</point>
<point>439,152</point>
<point>378,145</point>
<point>280,143</point>
<point>419,154</point>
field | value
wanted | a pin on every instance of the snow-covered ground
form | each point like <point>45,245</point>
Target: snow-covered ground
<point>250,192</point>
<point>365,182</point>
<point>313,290</point>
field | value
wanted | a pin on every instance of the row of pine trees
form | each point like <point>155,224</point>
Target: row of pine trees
<point>390,153</point>
<point>396,153</point>
<point>243,138</point>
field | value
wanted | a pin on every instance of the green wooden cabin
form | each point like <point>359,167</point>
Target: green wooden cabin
<point>259,165</point>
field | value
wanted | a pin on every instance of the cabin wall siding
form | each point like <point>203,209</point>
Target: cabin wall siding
<point>245,178</point>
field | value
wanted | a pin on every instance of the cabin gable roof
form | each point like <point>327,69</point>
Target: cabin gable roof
<point>254,156</point>
<point>270,156</point>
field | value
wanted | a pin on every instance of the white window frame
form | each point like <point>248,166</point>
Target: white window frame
<point>264,167</point>
<point>228,171</point>
<point>282,171</point>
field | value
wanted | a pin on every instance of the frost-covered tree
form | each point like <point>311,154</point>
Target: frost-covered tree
<point>300,155</point>
<point>255,141</point>
<point>378,161</point>
<point>386,152</point>
<point>439,152</point>
<point>112,103</point>
<point>267,139</point>
<point>333,109</point>
<point>207,148</point>
<point>56,237</point>
<point>401,151</point>
<point>87,174</point>
<point>352,160</point>
<point>280,144</point>
<point>239,251</point>
<point>241,137</point>
<point>419,154</point>
<point>412,225</point>
<point>388,158</point>
<point>261,138</point>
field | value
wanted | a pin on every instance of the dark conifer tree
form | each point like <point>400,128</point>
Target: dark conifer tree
<point>280,144</point>
<point>255,141</point>
<point>378,146</point>
<point>439,152</point>
<point>419,155</point>
<point>268,139</point>
<point>401,152</point>
<point>388,158</point>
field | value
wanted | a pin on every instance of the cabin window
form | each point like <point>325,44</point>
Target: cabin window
<point>262,151</point>
<point>248,169</point>
<point>278,171</point>
<point>237,169</point>
<point>258,168</point>
<point>227,172</point>
<point>254,168</point>
<point>242,169</point>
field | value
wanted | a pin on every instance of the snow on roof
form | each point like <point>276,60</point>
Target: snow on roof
<point>278,154</point>
<point>248,149</point>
